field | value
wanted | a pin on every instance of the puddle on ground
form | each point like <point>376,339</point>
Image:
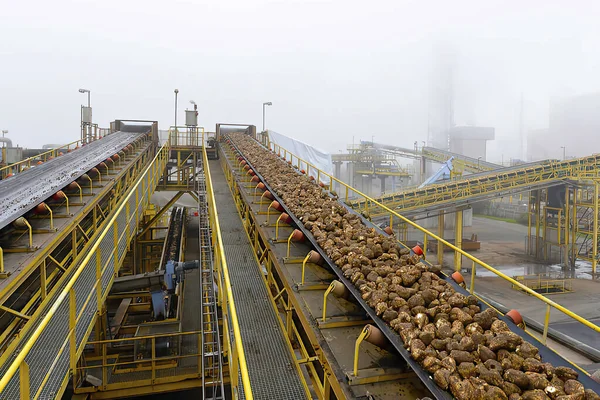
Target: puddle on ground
<point>582,270</point>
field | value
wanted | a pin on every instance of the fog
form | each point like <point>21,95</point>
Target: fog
<point>334,70</point>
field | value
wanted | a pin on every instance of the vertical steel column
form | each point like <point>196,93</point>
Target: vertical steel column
<point>575,223</point>
<point>440,246</point>
<point>595,233</point>
<point>529,213</point>
<point>458,222</point>
<point>567,226</point>
<point>538,200</point>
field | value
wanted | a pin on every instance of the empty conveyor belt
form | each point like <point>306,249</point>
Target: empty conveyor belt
<point>25,190</point>
<point>44,345</point>
<point>272,370</point>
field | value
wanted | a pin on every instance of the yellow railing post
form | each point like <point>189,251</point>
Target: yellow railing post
<point>72,331</point>
<point>276,227</point>
<point>304,266</point>
<point>288,244</point>
<point>24,387</point>
<point>440,245</point>
<point>458,221</point>
<point>51,218</point>
<point>546,324</point>
<point>473,269</point>
<point>329,290</point>
<point>3,274</point>
<point>363,334</point>
<point>30,229</point>
<point>153,341</point>
<point>80,191</point>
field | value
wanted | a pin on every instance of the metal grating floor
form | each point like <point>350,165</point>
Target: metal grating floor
<point>272,371</point>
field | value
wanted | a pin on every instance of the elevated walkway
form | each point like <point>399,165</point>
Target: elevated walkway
<point>271,367</point>
<point>50,344</point>
<point>459,193</point>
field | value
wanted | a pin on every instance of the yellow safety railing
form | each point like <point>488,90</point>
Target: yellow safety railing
<point>185,136</point>
<point>373,206</point>
<point>523,178</point>
<point>231,345</point>
<point>73,311</point>
<point>45,156</point>
<point>151,353</point>
<point>543,283</point>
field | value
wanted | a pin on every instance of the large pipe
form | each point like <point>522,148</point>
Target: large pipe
<point>52,146</point>
<point>7,141</point>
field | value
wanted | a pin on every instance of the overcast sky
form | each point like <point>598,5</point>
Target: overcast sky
<point>334,70</point>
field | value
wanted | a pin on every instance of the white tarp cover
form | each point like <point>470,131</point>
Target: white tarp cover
<point>316,157</point>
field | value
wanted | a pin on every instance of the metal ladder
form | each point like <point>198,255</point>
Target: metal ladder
<point>212,360</point>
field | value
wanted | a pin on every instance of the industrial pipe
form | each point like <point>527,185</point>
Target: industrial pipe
<point>51,146</point>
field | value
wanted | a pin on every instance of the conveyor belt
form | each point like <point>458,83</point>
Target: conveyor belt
<point>45,354</point>
<point>493,184</point>
<point>472,164</point>
<point>546,354</point>
<point>25,190</point>
<point>273,374</point>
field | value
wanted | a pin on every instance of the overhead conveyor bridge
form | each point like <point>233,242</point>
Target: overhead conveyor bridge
<point>469,164</point>
<point>483,186</point>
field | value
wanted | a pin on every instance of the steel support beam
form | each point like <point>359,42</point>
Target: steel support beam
<point>160,213</point>
<point>440,246</point>
<point>458,222</point>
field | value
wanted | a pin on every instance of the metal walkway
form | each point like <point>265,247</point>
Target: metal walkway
<point>272,370</point>
<point>48,355</point>
<point>212,357</point>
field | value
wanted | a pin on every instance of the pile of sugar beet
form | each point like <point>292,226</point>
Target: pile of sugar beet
<point>467,351</point>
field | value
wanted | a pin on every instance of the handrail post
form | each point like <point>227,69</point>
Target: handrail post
<point>72,331</point>
<point>3,274</point>
<point>67,201</point>
<point>458,221</point>
<point>30,229</point>
<point>472,287</point>
<point>363,334</point>
<point>24,387</point>
<point>268,214</point>
<point>546,324</point>
<point>329,290</point>
<point>51,218</point>
<point>288,244</point>
<point>276,226</point>
<point>304,266</point>
<point>80,191</point>
<point>153,341</point>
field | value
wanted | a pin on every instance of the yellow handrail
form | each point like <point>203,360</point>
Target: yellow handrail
<point>41,155</point>
<point>65,292</point>
<point>225,271</point>
<point>368,200</point>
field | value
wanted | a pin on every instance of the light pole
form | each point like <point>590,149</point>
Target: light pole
<point>564,148</point>
<point>176,92</point>
<point>86,123</point>
<point>478,160</point>
<point>268,103</point>
<point>89,93</point>
<point>4,132</point>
